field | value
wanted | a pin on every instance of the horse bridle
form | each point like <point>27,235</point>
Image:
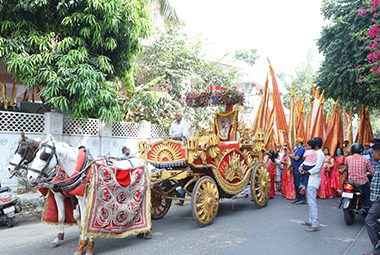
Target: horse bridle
<point>23,152</point>
<point>45,156</point>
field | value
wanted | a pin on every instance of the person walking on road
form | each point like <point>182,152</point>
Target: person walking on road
<point>374,211</point>
<point>297,160</point>
<point>312,187</point>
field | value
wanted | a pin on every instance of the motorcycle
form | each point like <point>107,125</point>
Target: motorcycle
<point>352,202</point>
<point>9,206</point>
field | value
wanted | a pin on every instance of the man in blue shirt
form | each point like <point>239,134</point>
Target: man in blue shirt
<point>368,153</point>
<point>297,160</point>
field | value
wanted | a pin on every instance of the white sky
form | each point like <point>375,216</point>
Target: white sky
<point>282,30</point>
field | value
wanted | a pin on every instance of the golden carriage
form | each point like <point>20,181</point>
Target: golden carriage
<point>209,167</point>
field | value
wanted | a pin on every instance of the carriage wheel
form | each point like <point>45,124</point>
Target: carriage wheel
<point>205,201</point>
<point>160,204</point>
<point>260,184</point>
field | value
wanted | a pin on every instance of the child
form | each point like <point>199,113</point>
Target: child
<point>310,157</point>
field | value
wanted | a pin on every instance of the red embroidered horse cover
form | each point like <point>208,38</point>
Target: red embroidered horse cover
<point>50,213</point>
<point>118,204</point>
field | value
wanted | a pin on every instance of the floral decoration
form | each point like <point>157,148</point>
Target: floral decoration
<point>216,97</point>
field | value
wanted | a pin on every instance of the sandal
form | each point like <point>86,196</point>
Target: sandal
<point>312,229</point>
<point>306,223</point>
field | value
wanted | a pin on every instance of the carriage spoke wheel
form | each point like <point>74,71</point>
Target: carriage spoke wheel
<point>205,201</point>
<point>260,184</point>
<point>160,204</point>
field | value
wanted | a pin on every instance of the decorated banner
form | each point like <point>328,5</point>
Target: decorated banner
<point>166,153</point>
<point>118,202</point>
<point>225,125</point>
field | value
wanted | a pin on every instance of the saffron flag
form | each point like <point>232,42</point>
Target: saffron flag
<point>259,124</point>
<point>318,129</point>
<point>301,121</point>
<point>292,119</point>
<point>349,133</point>
<point>281,125</point>
<point>269,141</point>
<point>364,134</point>
<point>334,133</point>
<point>345,117</point>
<point>314,110</point>
<point>308,122</point>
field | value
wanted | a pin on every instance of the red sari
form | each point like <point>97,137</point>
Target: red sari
<point>287,181</point>
<point>272,173</point>
<point>325,189</point>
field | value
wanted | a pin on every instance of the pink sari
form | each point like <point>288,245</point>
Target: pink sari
<point>325,190</point>
<point>334,177</point>
<point>340,167</point>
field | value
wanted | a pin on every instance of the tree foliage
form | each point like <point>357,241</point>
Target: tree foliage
<point>76,51</point>
<point>344,52</point>
<point>303,78</point>
<point>168,12</point>
<point>178,58</point>
<point>250,56</point>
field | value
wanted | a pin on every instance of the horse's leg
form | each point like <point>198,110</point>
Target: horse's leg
<point>60,202</point>
<point>90,249</point>
<point>83,239</point>
<point>76,212</point>
<point>148,235</point>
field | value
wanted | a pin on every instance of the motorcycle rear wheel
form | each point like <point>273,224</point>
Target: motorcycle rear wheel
<point>349,216</point>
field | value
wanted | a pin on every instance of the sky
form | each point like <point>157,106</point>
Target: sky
<point>281,30</point>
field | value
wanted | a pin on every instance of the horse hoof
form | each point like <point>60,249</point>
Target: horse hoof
<point>53,244</point>
<point>148,236</point>
<point>78,253</point>
<point>140,235</point>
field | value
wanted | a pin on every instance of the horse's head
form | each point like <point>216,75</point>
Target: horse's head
<point>24,154</point>
<point>44,161</point>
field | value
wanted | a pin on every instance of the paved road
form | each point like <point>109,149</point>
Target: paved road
<point>239,228</point>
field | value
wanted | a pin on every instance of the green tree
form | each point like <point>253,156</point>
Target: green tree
<point>343,52</point>
<point>304,77</point>
<point>250,56</point>
<point>76,51</point>
<point>167,11</point>
<point>179,58</point>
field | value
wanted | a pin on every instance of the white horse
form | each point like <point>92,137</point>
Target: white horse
<point>24,154</point>
<point>51,154</point>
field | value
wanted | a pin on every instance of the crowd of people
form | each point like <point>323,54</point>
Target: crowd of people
<point>314,171</point>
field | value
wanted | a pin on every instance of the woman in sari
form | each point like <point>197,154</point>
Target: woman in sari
<point>325,190</point>
<point>271,164</point>
<point>340,161</point>
<point>287,182</point>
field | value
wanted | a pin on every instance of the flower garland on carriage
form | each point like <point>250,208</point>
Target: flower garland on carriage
<point>215,96</point>
<point>225,122</point>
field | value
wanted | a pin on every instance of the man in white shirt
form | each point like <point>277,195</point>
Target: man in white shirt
<point>179,127</point>
<point>312,187</point>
